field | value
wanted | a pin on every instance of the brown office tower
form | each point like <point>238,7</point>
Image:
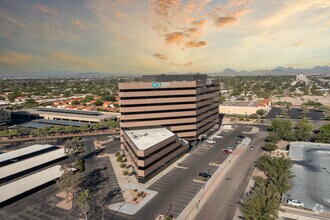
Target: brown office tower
<point>186,105</point>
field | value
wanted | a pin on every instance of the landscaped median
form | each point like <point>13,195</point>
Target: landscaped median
<point>215,163</point>
<point>136,197</point>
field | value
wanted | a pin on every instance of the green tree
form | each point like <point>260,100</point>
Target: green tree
<point>69,181</point>
<point>110,98</point>
<point>324,134</point>
<point>87,98</point>
<point>98,102</point>
<point>75,102</point>
<point>277,169</point>
<point>40,133</point>
<point>261,112</point>
<point>282,129</point>
<point>270,146</point>
<point>303,130</point>
<point>262,202</point>
<point>272,138</point>
<point>72,148</point>
<point>222,99</point>
<point>84,200</point>
<point>113,124</point>
<point>69,129</point>
<point>30,103</point>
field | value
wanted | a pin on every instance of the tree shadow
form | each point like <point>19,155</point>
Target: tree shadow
<point>94,180</point>
<point>94,153</point>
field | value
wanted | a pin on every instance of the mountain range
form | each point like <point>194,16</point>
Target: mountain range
<point>277,71</point>
<point>227,72</point>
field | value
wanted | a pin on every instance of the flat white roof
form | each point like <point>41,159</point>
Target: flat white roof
<point>4,103</point>
<point>146,138</point>
<point>21,152</point>
<point>30,163</point>
<point>25,184</point>
<point>311,181</point>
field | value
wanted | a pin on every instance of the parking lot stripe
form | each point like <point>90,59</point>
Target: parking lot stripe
<point>194,187</point>
<point>185,197</point>
<point>181,200</point>
<point>188,193</point>
<point>179,204</point>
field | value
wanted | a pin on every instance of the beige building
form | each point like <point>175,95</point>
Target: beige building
<point>148,150</point>
<point>186,105</point>
<point>63,115</point>
<point>5,116</point>
<point>244,107</point>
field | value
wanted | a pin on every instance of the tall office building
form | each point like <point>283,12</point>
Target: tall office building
<point>186,105</point>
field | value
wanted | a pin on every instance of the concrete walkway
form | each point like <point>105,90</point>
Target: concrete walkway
<point>192,209</point>
<point>131,209</point>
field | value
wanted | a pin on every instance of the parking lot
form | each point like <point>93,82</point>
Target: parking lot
<point>176,188</point>
<point>98,176</point>
<point>296,113</point>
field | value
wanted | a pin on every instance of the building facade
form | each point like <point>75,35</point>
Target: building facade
<point>25,115</point>
<point>5,116</point>
<point>149,150</point>
<point>244,107</point>
<point>185,105</point>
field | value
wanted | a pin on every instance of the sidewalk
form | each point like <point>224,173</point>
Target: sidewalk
<point>192,209</point>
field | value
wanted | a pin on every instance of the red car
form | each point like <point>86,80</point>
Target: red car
<point>226,151</point>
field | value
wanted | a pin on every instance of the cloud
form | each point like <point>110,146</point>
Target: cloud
<point>161,56</point>
<point>188,64</point>
<point>194,44</point>
<point>44,9</point>
<point>224,21</point>
<point>71,59</point>
<point>13,58</point>
<point>119,14</point>
<point>79,24</point>
<point>174,37</point>
<point>289,9</point>
<point>297,44</point>
<point>199,23</point>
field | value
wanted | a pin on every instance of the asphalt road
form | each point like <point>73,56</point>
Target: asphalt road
<point>222,204</point>
<point>177,187</point>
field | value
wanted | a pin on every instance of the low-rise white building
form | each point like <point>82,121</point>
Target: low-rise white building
<point>244,107</point>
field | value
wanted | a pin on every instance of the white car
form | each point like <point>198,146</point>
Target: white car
<point>218,136</point>
<point>210,141</point>
<point>295,203</point>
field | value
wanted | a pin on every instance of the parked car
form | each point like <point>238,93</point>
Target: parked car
<point>230,148</point>
<point>226,151</point>
<point>210,141</point>
<point>295,203</point>
<point>219,136</point>
<point>241,136</point>
<point>205,175</point>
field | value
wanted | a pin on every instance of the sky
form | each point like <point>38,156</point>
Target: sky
<point>160,36</point>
